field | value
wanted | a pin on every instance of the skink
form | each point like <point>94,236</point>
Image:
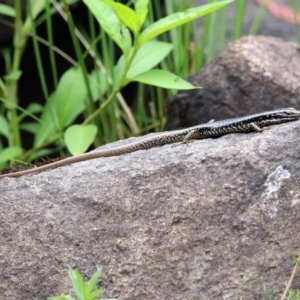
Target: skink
<point>209,130</point>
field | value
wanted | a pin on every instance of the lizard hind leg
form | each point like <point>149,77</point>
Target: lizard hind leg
<point>191,136</point>
<point>256,128</point>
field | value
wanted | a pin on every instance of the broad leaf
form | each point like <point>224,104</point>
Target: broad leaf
<point>126,15</point>
<point>148,56</point>
<point>4,128</point>
<point>118,72</point>
<point>78,138</point>
<point>98,83</point>
<point>36,7</point>
<point>30,127</point>
<point>7,10</point>
<point>110,23</point>
<point>178,19</point>
<point>69,96</point>
<point>63,106</point>
<point>141,8</point>
<point>49,125</point>
<point>163,79</point>
<point>34,108</point>
<point>13,75</point>
<point>10,153</point>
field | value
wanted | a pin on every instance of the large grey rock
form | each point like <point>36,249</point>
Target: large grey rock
<point>214,219</point>
<point>253,74</point>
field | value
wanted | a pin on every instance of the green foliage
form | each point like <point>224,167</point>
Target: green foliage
<point>294,295</point>
<point>78,137</point>
<point>7,10</point>
<point>63,106</point>
<point>164,79</point>
<point>178,19</point>
<point>111,24</point>
<point>147,57</point>
<point>83,290</point>
<point>10,153</point>
<point>92,96</point>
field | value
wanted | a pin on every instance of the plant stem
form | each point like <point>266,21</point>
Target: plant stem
<point>12,85</point>
<point>112,96</point>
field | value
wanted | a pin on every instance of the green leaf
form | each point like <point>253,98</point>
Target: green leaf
<point>141,8</point>
<point>126,15</point>
<point>31,127</point>
<point>163,79</point>
<point>36,7</point>
<point>93,281</point>
<point>84,291</point>
<point>7,10</point>
<point>79,137</point>
<point>118,72</point>
<point>63,106</point>
<point>77,283</point>
<point>178,19</point>
<point>10,153</point>
<point>94,294</point>
<point>49,125</point>
<point>110,23</point>
<point>98,83</point>
<point>4,128</point>
<point>69,96</point>
<point>148,56</point>
<point>34,108</point>
<point>13,75</point>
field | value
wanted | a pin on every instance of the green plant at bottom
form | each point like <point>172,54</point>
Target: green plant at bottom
<point>83,290</point>
<point>294,295</point>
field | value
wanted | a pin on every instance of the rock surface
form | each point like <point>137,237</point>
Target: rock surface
<point>214,219</point>
<point>253,74</point>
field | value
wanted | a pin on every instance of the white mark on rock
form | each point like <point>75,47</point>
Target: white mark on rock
<point>275,181</point>
<point>273,184</point>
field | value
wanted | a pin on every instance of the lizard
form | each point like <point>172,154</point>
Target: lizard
<point>212,129</point>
